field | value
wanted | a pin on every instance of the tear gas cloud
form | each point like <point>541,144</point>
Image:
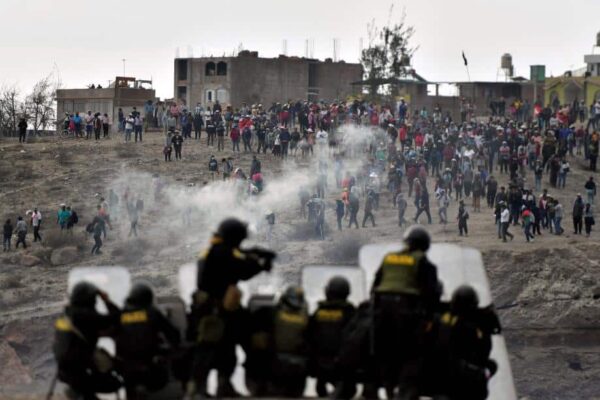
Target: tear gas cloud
<point>186,214</point>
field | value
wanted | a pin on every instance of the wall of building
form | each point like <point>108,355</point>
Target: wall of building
<point>251,79</point>
<point>569,88</point>
<point>198,82</point>
<point>333,80</point>
<point>265,80</point>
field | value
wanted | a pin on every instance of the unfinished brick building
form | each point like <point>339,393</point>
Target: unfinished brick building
<point>250,79</point>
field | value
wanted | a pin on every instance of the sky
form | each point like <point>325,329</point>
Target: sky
<point>84,41</point>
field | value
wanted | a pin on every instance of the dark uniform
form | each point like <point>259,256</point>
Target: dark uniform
<point>405,293</point>
<point>258,348</point>
<point>459,366</point>
<point>76,336</point>
<point>277,350</point>
<point>140,345</point>
<point>327,325</point>
<point>216,319</point>
<point>290,345</point>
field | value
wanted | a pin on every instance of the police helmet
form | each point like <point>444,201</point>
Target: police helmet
<point>141,295</point>
<point>464,300</point>
<point>417,238</point>
<point>233,231</point>
<point>338,288</point>
<point>293,297</point>
<point>84,295</point>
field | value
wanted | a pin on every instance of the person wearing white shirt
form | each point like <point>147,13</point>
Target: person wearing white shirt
<point>504,220</point>
<point>129,123</point>
<point>36,222</point>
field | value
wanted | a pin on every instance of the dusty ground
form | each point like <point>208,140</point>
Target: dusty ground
<point>548,288</point>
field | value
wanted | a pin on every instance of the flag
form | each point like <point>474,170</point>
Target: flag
<point>465,59</point>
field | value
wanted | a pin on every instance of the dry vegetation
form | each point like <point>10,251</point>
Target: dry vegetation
<point>78,172</point>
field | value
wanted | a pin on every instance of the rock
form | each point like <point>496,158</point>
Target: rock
<point>13,372</point>
<point>27,260</point>
<point>65,255</point>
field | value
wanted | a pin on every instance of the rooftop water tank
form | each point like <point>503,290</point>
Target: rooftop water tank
<point>506,61</point>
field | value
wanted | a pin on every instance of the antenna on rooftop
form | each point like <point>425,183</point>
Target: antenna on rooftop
<point>306,48</point>
<point>284,47</point>
<point>312,48</point>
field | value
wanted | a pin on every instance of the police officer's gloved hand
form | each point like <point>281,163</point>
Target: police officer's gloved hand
<point>268,265</point>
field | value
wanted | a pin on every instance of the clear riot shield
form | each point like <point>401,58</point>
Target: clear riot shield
<point>115,281</point>
<point>263,283</point>
<point>316,277</point>
<point>456,266</point>
<point>186,281</point>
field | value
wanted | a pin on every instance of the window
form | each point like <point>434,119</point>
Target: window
<point>182,68</point>
<point>210,69</point>
<point>209,96</point>
<point>222,68</point>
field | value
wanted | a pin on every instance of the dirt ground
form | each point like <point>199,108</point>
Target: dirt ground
<point>547,291</point>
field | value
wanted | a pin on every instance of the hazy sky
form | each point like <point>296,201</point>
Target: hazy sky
<point>86,40</point>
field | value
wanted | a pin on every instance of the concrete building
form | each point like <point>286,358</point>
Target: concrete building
<point>251,79</point>
<point>581,84</point>
<point>124,93</point>
<point>419,93</point>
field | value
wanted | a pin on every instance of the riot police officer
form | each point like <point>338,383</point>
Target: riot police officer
<point>327,326</point>
<point>460,367</point>
<point>139,342</point>
<point>85,369</point>
<point>215,321</point>
<point>405,294</point>
<point>290,345</point>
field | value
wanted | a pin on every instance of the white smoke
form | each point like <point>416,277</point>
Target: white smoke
<point>186,214</point>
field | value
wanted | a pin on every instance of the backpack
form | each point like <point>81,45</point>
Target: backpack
<point>212,165</point>
<point>74,217</point>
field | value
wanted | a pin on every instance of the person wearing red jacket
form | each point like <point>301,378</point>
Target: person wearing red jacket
<point>284,117</point>
<point>235,137</point>
<point>374,118</point>
<point>448,154</point>
<point>402,134</point>
<point>419,139</point>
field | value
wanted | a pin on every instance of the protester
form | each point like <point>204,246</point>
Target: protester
<point>21,231</point>
<point>8,232</point>
<point>36,223</point>
<point>588,219</point>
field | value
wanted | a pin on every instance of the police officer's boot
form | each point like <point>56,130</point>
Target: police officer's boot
<point>407,392</point>
<point>321,388</point>
<point>225,388</point>
<point>344,390</point>
<point>194,391</point>
<point>370,391</point>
